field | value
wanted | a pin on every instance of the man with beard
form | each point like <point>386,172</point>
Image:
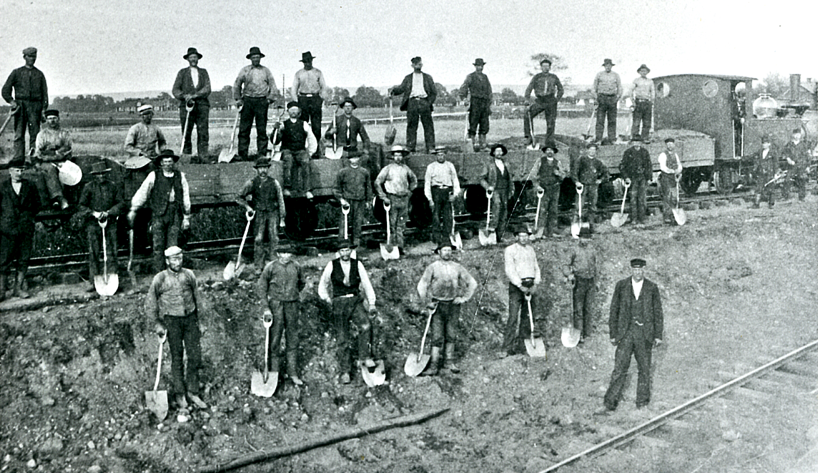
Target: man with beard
<point>523,273</point>
<point>192,86</point>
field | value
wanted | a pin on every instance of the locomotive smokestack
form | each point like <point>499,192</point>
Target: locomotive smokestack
<point>795,85</point>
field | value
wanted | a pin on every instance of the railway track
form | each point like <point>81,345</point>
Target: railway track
<point>792,374</point>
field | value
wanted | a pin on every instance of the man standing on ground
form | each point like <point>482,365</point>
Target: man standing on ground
<point>637,169</point>
<point>394,186</point>
<point>19,203</point>
<point>53,146</point>
<point>548,180</point>
<point>347,130</point>
<point>441,187</point>
<point>797,157</point>
<point>419,94</point>
<point>636,326</point>
<point>448,285</point>
<point>340,287</point>
<point>590,173</point>
<point>145,138</point>
<point>477,86</point>
<point>353,189</point>
<point>608,90</point>
<point>496,179</point>
<point>582,274</point>
<point>523,273</point>
<point>670,167</point>
<point>268,207</point>
<point>101,201</point>
<point>548,91</point>
<point>192,86</point>
<point>254,90</point>
<point>167,193</point>
<point>310,90</point>
<point>766,171</point>
<point>29,100</point>
<point>644,93</point>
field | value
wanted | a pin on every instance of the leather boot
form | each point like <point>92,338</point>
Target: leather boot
<point>2,287</point>
<point>292,368</point>
<point>482,138</point>
<point>434,364</point>
<point>449,358</point>
<point>18,287</point>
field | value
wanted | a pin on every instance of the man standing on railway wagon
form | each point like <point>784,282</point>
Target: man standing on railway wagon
<point>267,204</point>
<point>590,172</point>
<point>173,303</point>
<point>523,273</point>
<point>167,193</point>
<point>340,287</point>
<point>145,138</point>
<point>548,179</point>
<point>310,90</point>
<point>608,90</point>
<point>441,187</point>
<point>478,86</point>
<point>394,186</point>
<point>297,145</point>
<point>192,86</point>
<point>29,100</point>
<point>667,179</point>
<point>280,286</point>
<point>636,326</point>
<point>797,156</point>
<point>548,90</point>
<point>254,90</point>
<point>449,285</point>
<point>347,130</point>
<point>53,146</point>
<point>353,189</point>
<point>19,203</point>
<point>636,168</point>
<point>101,201</point>
<point>767,172</point>
<point>644,93</point>
<point>496,179</point>
<point>419,94</point>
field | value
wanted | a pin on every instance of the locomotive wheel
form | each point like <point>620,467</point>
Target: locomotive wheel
<point>301,219</point>
<point>691,180</point>
<point>725,178</point>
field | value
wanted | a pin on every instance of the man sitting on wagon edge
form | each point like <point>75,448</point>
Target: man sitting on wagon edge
<point>297,145</point>
<point>53,146</point>
<point>145,138</point>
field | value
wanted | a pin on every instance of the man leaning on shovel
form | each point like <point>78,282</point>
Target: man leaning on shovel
<point>523,272</point>
<point>267,201</point>
<point>192,87</point>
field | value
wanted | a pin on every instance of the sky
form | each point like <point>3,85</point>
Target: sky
<point>108,46</point>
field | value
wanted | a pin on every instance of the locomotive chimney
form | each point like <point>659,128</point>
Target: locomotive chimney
<point>795,85</point>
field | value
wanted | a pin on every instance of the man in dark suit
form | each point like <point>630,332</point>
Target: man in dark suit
<point>192,86</point>
<point>347,130</point>
<point>636,326</point>
<point>19,203</point>
<point>419,94</point>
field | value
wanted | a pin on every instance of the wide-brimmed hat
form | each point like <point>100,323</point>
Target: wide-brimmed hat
<point>166,153</point>
<point>551,146</point>
<point>399,149</point>
<point>495,146</point>
<point>638,263</point>
<point>192,51</point>
<point>18,162</point>
<point>145,108</point>
<point>51,113</point>
<point>262,162</point>
<point>607,62</point>
<point>253,51</point>
<point>479,62</point>
<point>445,245</point>
<point>307,57</point>
<point>522,228</point>
<point>643,67</point>
<point>345,243</point>
<point>350,101</point>
<point>100,167</point>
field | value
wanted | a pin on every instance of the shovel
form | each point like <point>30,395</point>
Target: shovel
<point>189,107</point>
<point>576,225</point>
<point>469,142</point>
<point>570,335</point>
<point>387,250</point>
<point>264,384</point>
<point>454,238</point>
<point>617,220</point>
<point>5,123</point>
<point>534,346</point>
<point>533,146</point>
<point>374,376</point>
<point>335,152</point>
<point>679,213</point>
<point>345,211</point>
<point>69,173</point>
<point>131,272</point>
<point>225,156</point>
<point>157,401</point>
<point>277,150</point>
<point>389,134</point>
<point>486,235</point>
<point>106,285</point>
<point>415,364</point>
<point>539,233</point>
<point>587,133</point>
<point>233,269</point>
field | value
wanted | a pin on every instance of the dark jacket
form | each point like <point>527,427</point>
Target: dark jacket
<point>102,196</point>
<point>28,84</point>
<point>625,309</point>
<point>353,184</point>
<point>184,86</point>
<point>489,175</point>
<point>478,85</point>
<point>355,128</point>
<point>636,164</point>
<point>405,88</point>
<point>17,211</point>
<point>589,170</point>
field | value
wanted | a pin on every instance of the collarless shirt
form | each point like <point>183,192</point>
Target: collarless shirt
<point>521,263</point>
<point>637,288</point>
<point>607,83</point>
<point>643,89</point>
<point>172,293</point>
<point>308,82</point>
<point>144,139</point>
<point>254,82</point>
<point>440,175</point>
<point>396,179</point>
<point>417,86</point>
<point>446,280</point>
<point>53,145</point>
<point>325,283</point>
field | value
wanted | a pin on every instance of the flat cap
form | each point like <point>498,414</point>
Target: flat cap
<point>173,251</point>
<point>638,263</point>
<point>30,52</point>
<point>145,108</point>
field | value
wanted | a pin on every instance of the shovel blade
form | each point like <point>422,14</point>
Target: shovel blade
<point>231,270</point>
<point>157,402</point>
<point>389,135</point>
<point>262,388</point>
<point>456,240</point>
<point>106,288</point>
<point>575,229</point>
<point>487,237</point>
<point>680,216</point>
<point>337,154</point>
<point>617,220</point>
<point>570,337</point>
<point>70,174</point>
<point>226,155</point>
<point>535,347</point>
<point>375,376</point>
<point>415,365</point>
<point>389,252</point>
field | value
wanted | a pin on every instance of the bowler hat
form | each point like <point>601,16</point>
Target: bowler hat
<point>444,245</point>
<point>166,153</point>
<point>100,167</point>
<point>416,59</point>
<point>307,57</point>
<point>18,162</point>
<point>638,263</point>
<point>51,113</point>
<point>496,146</point>
<point>608,62</point>
<point>262,163</point>
<point>345,243</point>
<point>670,140</point>
<point>350,101</point>
<point>192,51</point>
<point>479,62</point>
<point>253,51</point>
<point>643,67</point>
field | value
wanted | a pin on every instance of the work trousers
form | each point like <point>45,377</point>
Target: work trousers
<point>311,112</point>
<point>183,338</point>
<point>351,322</point>
<point>297,171</point>
<point>798,179</point>
<point>29,116</point>
<point>357,214</point>
<point>165,230</point>
<point>583,295</point>
<point>419,109</point>
<point>255,108</point>
<point>547,218</point>
<point>479,111</point>
<point>633,343</point>
<point>766,192</point>
<point>518,326</point>
<point>499,212</point>
<point>670,195</point>
<point>95,257</point>
<point>398,215</point>
<point>441,215</point>
<point>642,114</point>
<point>199,116</point>
<point>590,195</point>
<point>15,248</point>
<point>639,199</point>
<point>444,321</point>
<point>51,176</point>
<point>286,315</point>
<point>266,237</point>
<point>606,108</point>
<point>542,104</point>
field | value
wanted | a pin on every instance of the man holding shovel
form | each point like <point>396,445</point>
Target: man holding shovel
<point>636,166</point>
<point>28,102</point>
<point>441,187</point>
<point>582,273</point>
<point>496,180</point>
<point>394,186</point>
<point>353,189</point>
<point>267,201</point>
<point>670,166</point>
<point>347,130</point>
<point>254,90</point>
<point>173,302</point>
<point>523,272</point>
<point>448,284</point>
<point>547,181</point>
<point>340,287</point>
<point>590,172</point>
<point>309,90</point>
<point>101,200</point>
<point>192,85</point>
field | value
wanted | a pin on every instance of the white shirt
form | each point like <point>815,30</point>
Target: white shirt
<point>194,74</point>
<point>16,186</point>
<point>325,283</point>
<point>663,164</point>
<point>141,196</point>
<point>417,85</point>
<point>637,288</point>
<point>500,165</point>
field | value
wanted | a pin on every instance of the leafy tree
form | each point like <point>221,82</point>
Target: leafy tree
<point>557,63</point>
<point>775,84</point>
<point>509,96</point>
<point>221,98</point>
<point>339,94</point>
<point>368,97</point>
